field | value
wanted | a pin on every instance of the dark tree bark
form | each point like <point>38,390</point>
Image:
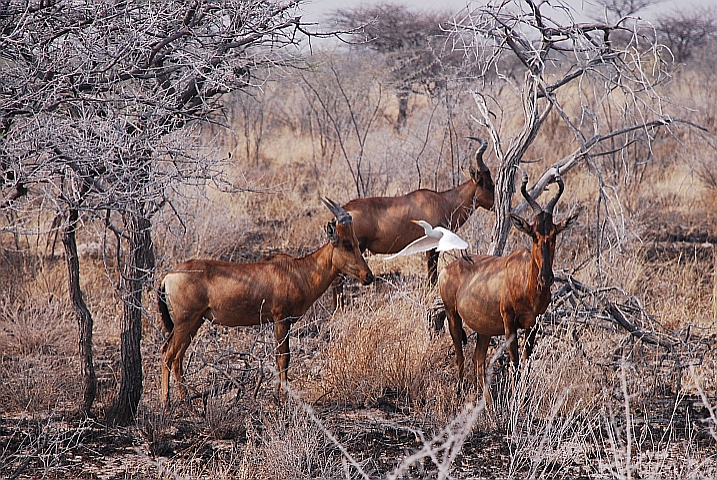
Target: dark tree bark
<point>84,317</point>
<point>505,179</point>
<point>136,272</point>
<point>402,95</point>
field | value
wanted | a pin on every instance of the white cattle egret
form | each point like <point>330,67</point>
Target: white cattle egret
<point>439,238</point>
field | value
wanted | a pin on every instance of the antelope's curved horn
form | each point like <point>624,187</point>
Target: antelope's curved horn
<point>479,153</point>
<point>561,186</point>
<point>342,216</point>
<point>533,204</point>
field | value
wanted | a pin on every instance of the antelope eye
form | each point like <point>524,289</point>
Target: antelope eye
<point>347,245</point>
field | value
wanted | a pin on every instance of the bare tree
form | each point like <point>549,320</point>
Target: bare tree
<point>348,104</point>
<point>685,32</point>
<point>414,45</point>
<point>599,91</point>
<point>614,10</point>
<point>98,105</point>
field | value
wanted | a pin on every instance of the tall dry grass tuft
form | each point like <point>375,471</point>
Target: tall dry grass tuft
<point>545,408</point>
<point>288,443</point>
<point>38,345</point>
<point>383,346</point>
<point>36,325</point>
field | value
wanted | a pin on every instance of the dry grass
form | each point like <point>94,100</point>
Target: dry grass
<point>382,346</point>
<point>37,341</point>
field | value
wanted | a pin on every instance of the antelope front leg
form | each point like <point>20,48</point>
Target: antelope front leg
<point>511,336</point>
<point>337,293</point>
<point>530,342</point>
<point>282,354</point>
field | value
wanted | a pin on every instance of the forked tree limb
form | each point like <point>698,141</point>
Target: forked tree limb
<point>565,164</point>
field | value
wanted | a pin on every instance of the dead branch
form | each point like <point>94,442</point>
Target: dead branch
<point>613,311</point>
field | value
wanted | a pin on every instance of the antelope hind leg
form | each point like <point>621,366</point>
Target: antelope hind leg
<point>165,364</point>
<point>455,326</point>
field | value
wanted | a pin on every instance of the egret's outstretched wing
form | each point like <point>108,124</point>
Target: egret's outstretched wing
<point>439,238</point>
<point>422,244</point>
<point>450,241</point>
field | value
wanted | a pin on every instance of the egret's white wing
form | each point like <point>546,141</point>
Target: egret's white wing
<point>450,241</point>
<point>422,244</point>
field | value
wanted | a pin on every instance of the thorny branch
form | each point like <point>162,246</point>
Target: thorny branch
<point>579,70</point>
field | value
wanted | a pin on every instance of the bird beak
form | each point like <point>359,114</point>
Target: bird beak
<point>415,221</point>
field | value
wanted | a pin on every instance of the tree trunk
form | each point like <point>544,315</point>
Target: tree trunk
<point>504,190</point>
<point>403,95</point>
<point>135,272</point>
<point>505,180</point>
<point>84,317</point>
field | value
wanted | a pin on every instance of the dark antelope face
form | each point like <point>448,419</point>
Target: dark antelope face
<point>543,231</point>
<point>347,257</point>
<point>485,189</point>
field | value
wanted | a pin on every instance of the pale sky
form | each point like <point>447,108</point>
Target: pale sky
<point>316,10</point>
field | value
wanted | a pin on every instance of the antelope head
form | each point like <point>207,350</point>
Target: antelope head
<point>543,231</point>
<point>480,174</point>
<point>346,256</point>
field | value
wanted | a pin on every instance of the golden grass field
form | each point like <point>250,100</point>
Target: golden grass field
<point>372,386</point>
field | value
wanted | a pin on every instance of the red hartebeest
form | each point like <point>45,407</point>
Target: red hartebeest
<point>498,295</point>
<point>384,224</point>
<point>276,289</point>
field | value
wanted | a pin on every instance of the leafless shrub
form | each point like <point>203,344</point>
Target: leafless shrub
<point>40,325</point>
<point>232,364</point>
<point>290,445</point>
<point>545,421</point>
<point>625,443</point>
<point>351,104</point>
<point>37,383</point>
<point>43,448</point>
<point>708,404</point>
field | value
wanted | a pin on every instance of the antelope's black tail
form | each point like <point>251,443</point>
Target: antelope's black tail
<point>163,309</point>
<point>438,319</point>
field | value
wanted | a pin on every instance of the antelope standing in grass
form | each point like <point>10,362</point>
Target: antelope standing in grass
<point>499,295</point>
<point>276,289</point>
<point>384,224</point>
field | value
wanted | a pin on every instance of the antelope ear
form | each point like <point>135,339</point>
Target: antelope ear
<point>567,223</point>
<point>468,172</point>
<point>473,173</point>
<point>331,232</point>
<point>521,224</point>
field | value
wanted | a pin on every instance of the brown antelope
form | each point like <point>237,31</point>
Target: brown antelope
<point>276,289</point>
<point>498,295</point>
<point>384,224</point>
